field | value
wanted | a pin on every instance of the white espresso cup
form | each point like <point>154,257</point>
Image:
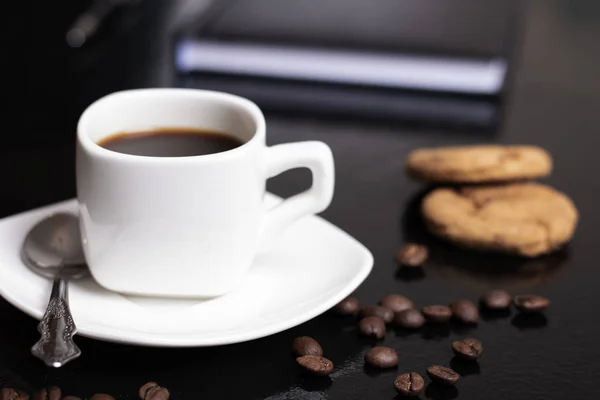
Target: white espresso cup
<point>185,226</point>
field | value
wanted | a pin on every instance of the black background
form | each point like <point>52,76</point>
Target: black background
<point>553,101</point>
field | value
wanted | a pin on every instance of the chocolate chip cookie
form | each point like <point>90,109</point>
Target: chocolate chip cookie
<point>526,219</point>
<point>478,164</point>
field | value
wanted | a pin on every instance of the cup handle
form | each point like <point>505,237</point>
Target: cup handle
<point>317,157</point>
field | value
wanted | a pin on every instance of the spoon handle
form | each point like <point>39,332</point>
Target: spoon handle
<point>56,346</point>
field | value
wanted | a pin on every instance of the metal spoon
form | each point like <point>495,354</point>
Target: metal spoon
<point>52,249</point>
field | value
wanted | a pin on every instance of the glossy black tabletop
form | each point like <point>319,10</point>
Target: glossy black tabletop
<point>553,101</point>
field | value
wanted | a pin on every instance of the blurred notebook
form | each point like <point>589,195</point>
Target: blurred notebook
<point>282,52</point>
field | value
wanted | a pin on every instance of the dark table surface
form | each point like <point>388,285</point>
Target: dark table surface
<point>553,101</point>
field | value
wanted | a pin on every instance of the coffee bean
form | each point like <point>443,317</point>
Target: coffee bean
<point>465,311</point>
<point>469,348</point>
<point>71,398</point>
<point>531,303</point>
<point>145,388</point>
<point>396,302</point>
<point>50,393</point>
<point>409,319</point>
<point>152,391</point>
<point>437,313</point>
<point>381,357</point>
<point>102,396</point>
<point>409,384</point>
<point>12,394</point>
<point>378,311</point>
<point>372,327</point>
<point>412,255</point>
<point>8,394</point>
<point>157,393</point>
<point>443,375</point>
<point>316,365</point>
<point>348,306</point>
<point>496,299</point>
<point>306,346</point>
<point>42,394</point>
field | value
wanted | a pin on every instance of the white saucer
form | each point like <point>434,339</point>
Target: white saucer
<point>312,267</point>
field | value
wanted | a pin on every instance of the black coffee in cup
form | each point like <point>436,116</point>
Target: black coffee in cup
<point>171,142</point>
